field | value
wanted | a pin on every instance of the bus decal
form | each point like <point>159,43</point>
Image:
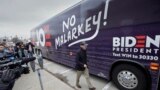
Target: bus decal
<point>129,46</point>
<point>75,32</point>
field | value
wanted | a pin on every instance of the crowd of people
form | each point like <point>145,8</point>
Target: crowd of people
<point>9,54</point>
<point>18,50</point>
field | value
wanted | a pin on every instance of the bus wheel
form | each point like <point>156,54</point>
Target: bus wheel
<point>129,77</point>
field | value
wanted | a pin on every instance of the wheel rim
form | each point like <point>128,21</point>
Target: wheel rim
<point>127,79</point>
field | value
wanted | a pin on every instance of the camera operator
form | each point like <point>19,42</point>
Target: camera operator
<point>11,52</point>
<point>5,52</point>
<point>6,76</point>
<point>10,71</point>
<point>2,51</point>
<point>29,48</point>
<point>9,74</point>
<point>19,50</point>
<point>30,51</point>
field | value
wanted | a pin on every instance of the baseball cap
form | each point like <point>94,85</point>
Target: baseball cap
<point>83,43</point>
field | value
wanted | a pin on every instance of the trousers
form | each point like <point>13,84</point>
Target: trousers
<point>86,75</point>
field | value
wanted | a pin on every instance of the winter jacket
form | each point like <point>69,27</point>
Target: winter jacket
<point>81,59</point>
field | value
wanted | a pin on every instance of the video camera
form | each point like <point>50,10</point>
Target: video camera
<point>16,66</point>
<point>13,64</point>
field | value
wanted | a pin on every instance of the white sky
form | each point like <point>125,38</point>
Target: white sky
<point>18,17</point>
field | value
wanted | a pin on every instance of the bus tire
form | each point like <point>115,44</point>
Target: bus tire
<point>129,77</point>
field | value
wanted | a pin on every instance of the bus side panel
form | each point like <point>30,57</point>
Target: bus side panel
<point>123,22</point>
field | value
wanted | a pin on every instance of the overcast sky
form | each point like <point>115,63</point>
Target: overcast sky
<point>18,17</point>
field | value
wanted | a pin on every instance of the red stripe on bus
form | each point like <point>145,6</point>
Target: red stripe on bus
<point>141,41</point>
<point>48,36</point>
<point>140,46</point>
<point>140,37</point>
<point>48,44</point>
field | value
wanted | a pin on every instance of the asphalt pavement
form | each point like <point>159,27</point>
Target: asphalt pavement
<point>55,76</point>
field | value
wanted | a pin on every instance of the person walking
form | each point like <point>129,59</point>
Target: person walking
<point>30,48</point>
<point>30,52</point>
<point>82,67</point>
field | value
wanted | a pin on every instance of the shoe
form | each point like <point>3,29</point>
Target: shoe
<point>92,88</point>
<point>78,86</point>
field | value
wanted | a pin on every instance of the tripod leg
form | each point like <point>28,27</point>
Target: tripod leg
<point>40,80</point>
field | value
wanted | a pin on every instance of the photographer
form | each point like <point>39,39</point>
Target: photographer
<point>5,52</point>
<point>7,79</point>
<point>2,51</point>
<point>19,50</point>
<point>9,76</point>
<point>11,70</point>
<point>29,48</point>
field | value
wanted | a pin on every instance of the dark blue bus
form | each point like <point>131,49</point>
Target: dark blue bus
<point>123,38</point>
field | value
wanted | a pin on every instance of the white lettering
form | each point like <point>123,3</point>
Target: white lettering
<point>116,42</point>
<point>57,42</point>
<point>73,20</point>
<point>155,42</point>
<point>41,35</point>
<point>88,25</point>
<point>80,29</point>
<point>130,42</point>
<point>66,25</point>
<point>73,33</point>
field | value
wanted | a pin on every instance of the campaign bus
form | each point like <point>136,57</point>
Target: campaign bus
<point>123,39</point>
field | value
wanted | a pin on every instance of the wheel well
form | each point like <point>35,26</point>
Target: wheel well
<point>141,67</point>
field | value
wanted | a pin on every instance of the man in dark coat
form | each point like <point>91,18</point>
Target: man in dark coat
<point>19,50</point>
<point>29,47</point>
<point>81,65</point>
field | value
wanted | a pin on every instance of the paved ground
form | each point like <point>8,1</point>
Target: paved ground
<point>59,77</point>
<point>31,82</point>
